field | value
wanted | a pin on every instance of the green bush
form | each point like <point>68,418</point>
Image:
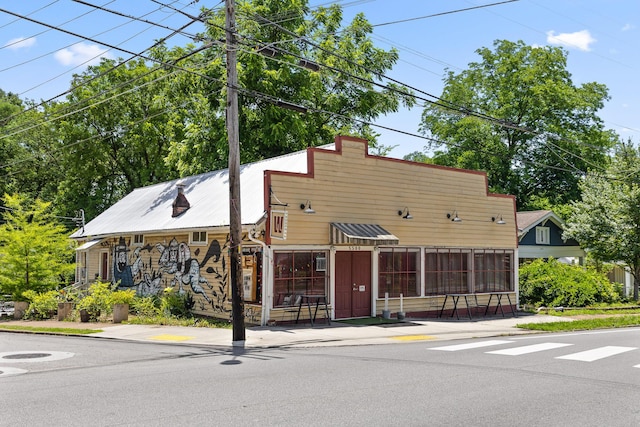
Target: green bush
<point>175,304</point>
<point>552,284</point>
<point>42,305</point>
<point>97,301</point>
<point>122,296</point>
<point>147,306</point>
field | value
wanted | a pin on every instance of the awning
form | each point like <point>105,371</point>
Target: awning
<point>87,245</point>
<point>361,234</point>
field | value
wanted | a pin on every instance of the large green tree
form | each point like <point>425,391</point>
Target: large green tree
<point>274,38</point>
<point>517,115</point>
<point>35,252</point>
<point>606,221</point>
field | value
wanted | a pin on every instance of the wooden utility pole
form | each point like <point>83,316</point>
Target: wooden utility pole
<point>235,217</point>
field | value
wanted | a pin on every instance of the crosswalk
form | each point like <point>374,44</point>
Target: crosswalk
<point>590,355</point>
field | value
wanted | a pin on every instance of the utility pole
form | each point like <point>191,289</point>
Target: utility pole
<point>235,217</point>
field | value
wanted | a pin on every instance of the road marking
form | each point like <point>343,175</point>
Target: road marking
<point>517,351</point>
<point>596,353</point>
<point>471,345</point>
<point>167,337</point>
<point>414,337</point>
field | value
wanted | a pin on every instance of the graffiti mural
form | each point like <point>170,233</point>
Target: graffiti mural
<point>151,268</point>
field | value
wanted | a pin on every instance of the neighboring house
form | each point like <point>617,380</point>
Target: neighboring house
<point>367,232</point>
<point>540,236</point>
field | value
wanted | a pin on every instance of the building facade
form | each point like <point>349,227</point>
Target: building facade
<point>367,233</point>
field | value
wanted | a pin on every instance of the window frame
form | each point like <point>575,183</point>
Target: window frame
<point>194,242</point>
<point>295,273</point>
<point>543,235</point>
<point>403,281</point>
<point>136,242</point>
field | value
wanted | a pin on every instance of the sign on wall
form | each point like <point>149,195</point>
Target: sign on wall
<point>278,225</point>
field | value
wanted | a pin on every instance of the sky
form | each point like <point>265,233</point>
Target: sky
<point>432,37</point>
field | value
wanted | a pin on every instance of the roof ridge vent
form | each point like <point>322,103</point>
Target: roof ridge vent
<point>180,204</point>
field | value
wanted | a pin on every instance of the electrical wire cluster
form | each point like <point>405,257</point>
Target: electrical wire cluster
<point>257,47</point>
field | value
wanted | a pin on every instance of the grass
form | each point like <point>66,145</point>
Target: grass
<point>49,330</point>
<point>584,324</point>
<point>199,322</point>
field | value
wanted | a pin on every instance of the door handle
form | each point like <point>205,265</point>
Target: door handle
<point>355,287</point>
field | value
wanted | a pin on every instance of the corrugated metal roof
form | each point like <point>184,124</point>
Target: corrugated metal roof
<point>148,209</point>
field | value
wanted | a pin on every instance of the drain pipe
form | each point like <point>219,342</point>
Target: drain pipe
<point>266,268</point>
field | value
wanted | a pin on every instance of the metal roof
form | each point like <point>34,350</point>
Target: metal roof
<point>149,209</point>
<point>361,234</point>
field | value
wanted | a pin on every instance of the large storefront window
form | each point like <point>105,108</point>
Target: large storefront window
<point>447,271</point>
<point>399,272</point>
<point>298,273</point>
<point>493,271</point>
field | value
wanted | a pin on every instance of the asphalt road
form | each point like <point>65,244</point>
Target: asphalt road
<point>585,379</point>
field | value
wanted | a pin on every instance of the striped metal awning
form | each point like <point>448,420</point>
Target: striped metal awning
<point>361,234</point>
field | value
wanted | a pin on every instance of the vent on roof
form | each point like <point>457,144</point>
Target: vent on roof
<point>180,204</point>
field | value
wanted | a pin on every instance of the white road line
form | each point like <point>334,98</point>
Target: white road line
<point>596,353</point>
<point>517,351</point>
<point>470,345</point>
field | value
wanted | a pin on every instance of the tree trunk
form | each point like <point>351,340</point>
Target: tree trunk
<point>636,280</point>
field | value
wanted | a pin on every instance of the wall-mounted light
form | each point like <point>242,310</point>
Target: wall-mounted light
<point>307,207</point>
<point>498,220</point>
<point>454,217</point>
<point>404,213</point>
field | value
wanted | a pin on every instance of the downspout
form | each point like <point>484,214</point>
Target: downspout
<point>266,264</point>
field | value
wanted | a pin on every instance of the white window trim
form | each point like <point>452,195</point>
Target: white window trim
<point>198,242</point>
<point>133,240</point>
<point>543,236</point>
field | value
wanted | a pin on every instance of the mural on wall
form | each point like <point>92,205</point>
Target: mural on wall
<point>175,267</point>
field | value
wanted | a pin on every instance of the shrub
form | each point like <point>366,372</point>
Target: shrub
<point>145,306</point>
<point>41,305</point>
<point>552,284</point>
<point>97,301</point>
<point>122,296</point>
<point>175,304</point>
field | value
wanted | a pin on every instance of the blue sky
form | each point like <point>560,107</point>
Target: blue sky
<point>602,38</point>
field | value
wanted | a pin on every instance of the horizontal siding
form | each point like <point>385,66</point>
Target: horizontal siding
<point>353,188</point>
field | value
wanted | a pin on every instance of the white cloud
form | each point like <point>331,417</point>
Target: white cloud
<point>628,27</point>
<point>579,40</point>
<point>81,53</point>
<point>20,43</point>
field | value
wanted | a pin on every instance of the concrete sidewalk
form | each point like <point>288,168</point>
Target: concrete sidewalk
<point>336,334</point>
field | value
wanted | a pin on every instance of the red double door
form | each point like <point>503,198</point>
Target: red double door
<point>353,284</point>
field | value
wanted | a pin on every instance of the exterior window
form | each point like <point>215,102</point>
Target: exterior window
<point>138,239</point>
<point>447,271</point>
<point>399,272</point>
<point>493,271</point>
<point>542,236</point>
<point>298,273</point>
<point>199,238</point>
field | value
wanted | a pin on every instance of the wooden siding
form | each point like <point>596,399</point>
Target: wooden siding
<point>352,187</point>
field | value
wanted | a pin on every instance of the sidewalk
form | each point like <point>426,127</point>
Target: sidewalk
<point>336,334</point>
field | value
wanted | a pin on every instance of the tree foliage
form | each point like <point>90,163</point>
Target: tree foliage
<point>35,252</point>
<point>518,116</point>
<point>338,97</point>
<point>606,221</point>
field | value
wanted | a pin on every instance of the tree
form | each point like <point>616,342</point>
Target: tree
<point>116,129</point>
<point>337,98</point>
<point>518,116</point>
<point>606,221</point>
<point>35,252</point>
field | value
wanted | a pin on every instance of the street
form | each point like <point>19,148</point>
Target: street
<point>586,379</point>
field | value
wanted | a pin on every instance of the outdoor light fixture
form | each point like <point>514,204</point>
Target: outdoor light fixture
<point>405,213</point>
<point>454,217</point>
<point>498,220</point>
<point>307,207</point>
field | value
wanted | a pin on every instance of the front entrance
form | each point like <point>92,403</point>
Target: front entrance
<point>353,284</point>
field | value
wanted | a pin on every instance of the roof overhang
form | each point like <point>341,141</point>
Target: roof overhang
<point>88,244</point>
<point>361,234</point>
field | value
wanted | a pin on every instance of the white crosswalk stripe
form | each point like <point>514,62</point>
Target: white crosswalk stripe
<point>596,353</point>
<point>469,346</point>
<point>517,351</point>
